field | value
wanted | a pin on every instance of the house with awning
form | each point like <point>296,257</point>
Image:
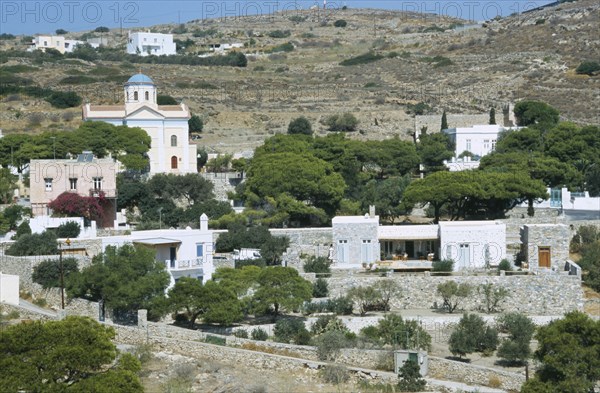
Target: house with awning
<point>185,252</point>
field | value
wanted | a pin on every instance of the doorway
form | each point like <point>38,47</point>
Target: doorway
<point>544,257</point>
<point>172,256</point>
<point>410,248</point>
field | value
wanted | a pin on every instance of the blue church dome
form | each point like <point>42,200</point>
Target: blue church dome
<point>140,78</point>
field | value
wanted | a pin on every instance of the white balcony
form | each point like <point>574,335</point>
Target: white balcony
<point>180,264</point>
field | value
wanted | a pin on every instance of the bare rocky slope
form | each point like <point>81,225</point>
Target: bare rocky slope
<point>531,55</point>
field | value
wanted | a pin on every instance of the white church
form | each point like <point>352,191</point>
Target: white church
<point>167,125</point>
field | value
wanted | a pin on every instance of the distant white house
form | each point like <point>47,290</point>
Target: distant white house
<point>225,47</point>
<point>145,44</point>
<point>185,252</point>
<point>41,223</point>
<point>9,289</point>
<point>57,42</point>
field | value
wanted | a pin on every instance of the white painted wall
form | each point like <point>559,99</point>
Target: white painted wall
<point>39,224</point>
<point>146,44</point>
<point>471,243</point>
<point>9,289</point>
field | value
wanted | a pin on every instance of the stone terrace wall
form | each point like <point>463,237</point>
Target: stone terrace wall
<point>544,294</point>
<point>310,241</point>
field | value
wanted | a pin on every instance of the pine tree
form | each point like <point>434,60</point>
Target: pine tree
<point>444,121</point>
<point>492,115</point>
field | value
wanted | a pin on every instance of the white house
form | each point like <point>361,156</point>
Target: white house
<point>185,252</point>
<point>57,42</point>
<point>471,244</point>
<point>167,125</point>
<point>145,44</point>
<point>225,47</point>
<point>9,289</point>
<point>39,224</point>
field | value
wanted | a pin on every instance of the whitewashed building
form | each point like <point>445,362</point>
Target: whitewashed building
<point>146,44</point>
<point>167,125</point>
<point>43,42</point>
<point>9,289</point>
<point>185,252</point>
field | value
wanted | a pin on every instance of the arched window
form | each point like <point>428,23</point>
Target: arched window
<point>147,96</point>
<point>135,95</point>
<point>173,140</point>
<point>174,162</point>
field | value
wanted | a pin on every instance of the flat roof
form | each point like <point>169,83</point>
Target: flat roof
<point>156,241</point>
<point>355,219</point>
<point>468,223</point>
<point>407,232</point>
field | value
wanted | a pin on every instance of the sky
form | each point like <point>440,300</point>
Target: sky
<point>45,17</point>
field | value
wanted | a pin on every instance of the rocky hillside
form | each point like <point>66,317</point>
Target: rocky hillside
<point>424,58</point>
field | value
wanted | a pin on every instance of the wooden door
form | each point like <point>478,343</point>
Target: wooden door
<point>544,257</point>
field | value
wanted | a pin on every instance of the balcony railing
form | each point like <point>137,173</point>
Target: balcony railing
<point>102,192</point>
<point>184,263</point>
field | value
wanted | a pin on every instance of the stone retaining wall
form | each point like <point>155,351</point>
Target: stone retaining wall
<point>543,294</point>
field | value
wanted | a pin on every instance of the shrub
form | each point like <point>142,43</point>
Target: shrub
<point>343,122</point>
<point>472,334</point>
<point>291,331</point>
<point>300,125</point>
<point>241,333</point>
<point>585,235</point>
<point>210,339</point>
<point>320,288</point>
<point>335,374</point>
<point>68,229</point>
<point>588,68</point>
<point>515,348</point>
<point>40,302</point>
<point>396,331</point>
<point>452,294</point>
<point>34,244</point>
<point>446,265</point>
<point>102,29</point>
<point>340,23</point>
<point>320,265</point>
<point>493,296</point>
<point>23,229</point>
<point>329,344</point>
<point>287,47</point>
<point>47,273</point>
<point>63,100</point>
<point>505,265</point>
<point>279,33</point>
<point>365,58</point>
<point>410,377</point>
<point>195,124</point>
<point>259,334</point>
<point>163,99</point>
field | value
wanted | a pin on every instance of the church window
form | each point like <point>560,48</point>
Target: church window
<point>173,140</point>
<point>135,95</point>
<point>147,96</point>
<point>174,162</point>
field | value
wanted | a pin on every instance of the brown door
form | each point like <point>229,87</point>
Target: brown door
<point>544,256</point>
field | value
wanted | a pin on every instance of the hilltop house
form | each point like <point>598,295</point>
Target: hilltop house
<point>167,125</point>
<point>86,176</point>
<point>57,42</point>
<point>146,44</point>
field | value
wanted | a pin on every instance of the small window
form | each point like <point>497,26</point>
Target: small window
<point>73,184</point>
<point>135,95</point>
<point>97,183</point>
<point>199,250</point>
<point>156,40</point>
<point>468,144</point>
<point>173,140</point>
<point>48,183</point>
<point>147,96</point>
<point>174,162</point>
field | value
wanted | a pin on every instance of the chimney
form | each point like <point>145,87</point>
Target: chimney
<point>204,222</point>
<point>372,211</point>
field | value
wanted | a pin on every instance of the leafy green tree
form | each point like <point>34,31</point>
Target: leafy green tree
<point>34,244</point>
<point>386,195</point>
<point>340,23</point>
<point>434,149</point>
<point>291,330</point>
<point>452,294</point>
<point>493,296</point>
<point>366,297</point>
<point>342,122</point>
<point>329,344</point>
<point>396,331</point>
<point>47,272</point>
<point>300,125</point>
<point>61,100</point>
<point>23,229</point>
<point>14,213</point>
<point>320,288</point>
<point>526,140</point>
<point>238,237</point>
<point>69,229</point>
<point>590,263</point>
<point>273,248</point>
<point>473,335</point>
<point>8,183</point>
<point>515,349</point>
<point>164,99</point>
<point>444,122</point>
<point>569,352</point>
<point>281,288</point>
<point>221,304</point>
<point>530,112</point>
<point>320,265</point>
<point>75,354</point>
<point>195,124</point>
<point>126,278</point>
<point>238,280</point>
<point>410,377</point>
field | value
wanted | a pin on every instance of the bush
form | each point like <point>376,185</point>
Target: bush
<point>279,33</point>
<point>250,262</point>
<point>452,294</point>
<point>319,265</point>
<point>34,244</point>
<point>23,229</point>
<point>241,333</point>
<point>365,58</point>
<point>446,265</point>
<point>259,334</point>
<point>344,122</point>
<point>505,265</point>
<point>340,23</point>
<point>472,334</point>
<point>210,339</point>
<point>291,331</point>
<point>47,273</point>
<point>63,100</point>
<point>69,229</point>
<point>588,68</point>
<point>335,374</point>
<point>493,296</point>
<point>195,123</point>
<point>102,29</point>
<point>320,288</point>
<point>585,235</point>
<point>163,99</point>
<point>329,344</point>
<point>287,47</point>
<point>300,125</point>
<point>410,377</point>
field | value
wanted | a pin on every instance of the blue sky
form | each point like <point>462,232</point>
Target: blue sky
<point>30,17</point>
